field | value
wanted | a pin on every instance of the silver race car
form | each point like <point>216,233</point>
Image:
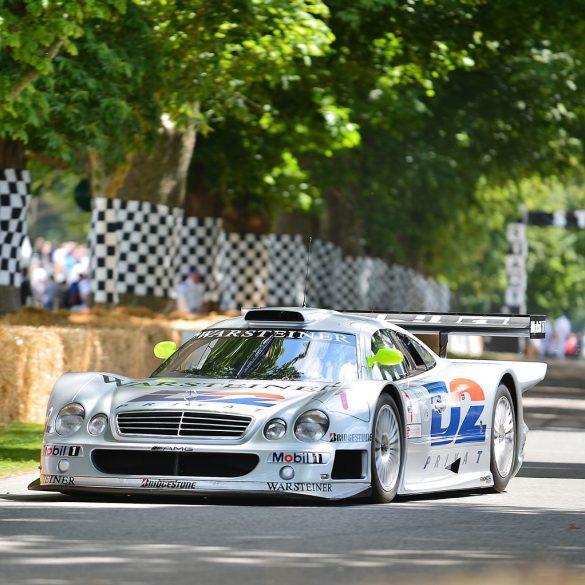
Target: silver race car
<point>298,401</point>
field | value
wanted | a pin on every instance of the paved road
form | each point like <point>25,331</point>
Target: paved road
<point>48,539</point>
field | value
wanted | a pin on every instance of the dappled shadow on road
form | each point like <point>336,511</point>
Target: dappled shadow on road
<point>553,470</point>
<point>281,544</point>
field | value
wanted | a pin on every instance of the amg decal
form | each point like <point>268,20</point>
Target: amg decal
<point>299,487</point>
<point>171,448</point>
<point>171,484</point>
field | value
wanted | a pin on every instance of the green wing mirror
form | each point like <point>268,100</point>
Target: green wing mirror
<point>165,349</point>
<point>386,357</point>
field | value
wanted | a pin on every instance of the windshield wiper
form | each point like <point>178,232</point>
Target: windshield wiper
<point>255,356</point>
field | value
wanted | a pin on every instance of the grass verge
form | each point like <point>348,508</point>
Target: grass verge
<point>20,447</point>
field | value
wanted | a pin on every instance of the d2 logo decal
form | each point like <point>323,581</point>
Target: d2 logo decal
<point>468,430</point>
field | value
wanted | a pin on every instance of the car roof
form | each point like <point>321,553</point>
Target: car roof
<point>304,318</point>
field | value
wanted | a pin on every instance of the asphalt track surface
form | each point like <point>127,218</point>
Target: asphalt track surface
<point>49,539</point>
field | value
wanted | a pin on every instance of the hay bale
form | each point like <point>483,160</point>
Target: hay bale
<point>35,357</point>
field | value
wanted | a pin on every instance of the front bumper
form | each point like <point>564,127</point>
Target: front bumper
<point>194,470</point>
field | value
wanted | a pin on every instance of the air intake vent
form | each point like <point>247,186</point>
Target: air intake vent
<point>276,315</point>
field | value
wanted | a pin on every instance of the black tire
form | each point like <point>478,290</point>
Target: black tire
<point>389,450</point>
<point>502,467</point>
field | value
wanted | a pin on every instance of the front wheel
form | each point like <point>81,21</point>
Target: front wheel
<point>387,450</point>
<point>504,437</point>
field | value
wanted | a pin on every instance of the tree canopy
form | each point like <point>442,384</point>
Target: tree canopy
<point>407,130</point>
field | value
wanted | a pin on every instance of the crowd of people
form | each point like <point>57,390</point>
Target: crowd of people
<point>56,277</point>
<point>560,341</point>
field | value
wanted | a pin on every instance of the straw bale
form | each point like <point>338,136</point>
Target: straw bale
<point>34,358</point>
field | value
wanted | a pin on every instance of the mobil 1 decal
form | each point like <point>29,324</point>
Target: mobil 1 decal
<point>456,412</point>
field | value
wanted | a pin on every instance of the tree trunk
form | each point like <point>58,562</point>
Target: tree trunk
<point>239,219</point>
<point>162,176</point>
<point>12,163</point>
<point>342,223</point>
<point>159,178</point>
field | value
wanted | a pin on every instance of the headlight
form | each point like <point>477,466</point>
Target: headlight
<point>69,419</point>
<point>98,424</point>
<point>275,429</point>
<point>311,425</point>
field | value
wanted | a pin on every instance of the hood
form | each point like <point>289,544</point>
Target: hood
<point>211,395</point>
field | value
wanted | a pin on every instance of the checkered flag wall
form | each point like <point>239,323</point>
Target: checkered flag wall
<point>148,243</point>
<point>244,271</point>
<point>103,245</point>
<point>147,249</point>
<point>14,199</point>
<point>287,269</point>
<point>200,249</point>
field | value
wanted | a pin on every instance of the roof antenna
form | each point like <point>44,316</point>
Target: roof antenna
<point>307,273</point>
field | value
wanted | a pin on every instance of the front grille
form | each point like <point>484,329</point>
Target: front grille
<point>202,425</point>
<point>163,463</point>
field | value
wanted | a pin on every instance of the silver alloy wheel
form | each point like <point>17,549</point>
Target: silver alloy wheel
<point>387,447</point>
<point>504,436</point>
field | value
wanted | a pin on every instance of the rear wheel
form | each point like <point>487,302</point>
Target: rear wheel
<point>387,450</point>
<point>504,437</point>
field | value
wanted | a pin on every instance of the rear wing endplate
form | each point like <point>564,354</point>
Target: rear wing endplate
<point>443,324</point>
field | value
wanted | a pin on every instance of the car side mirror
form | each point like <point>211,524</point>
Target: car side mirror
<point>165,349</point>
<point>386,357</point>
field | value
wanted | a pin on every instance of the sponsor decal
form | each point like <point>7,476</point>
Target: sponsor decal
<point>303,458</point>
<point>349,437</point>
<point>171,484</point>
<point>278,333</point>
<point>343,397</point>
<point>414,431</point>
<point>457,430</point>
<point>486,479</point>
<point>170,448</point>
<point>62,451</point>
<point>298,487</point>
<point>324,476</point>
<point>537,327</point>
<point>171,383</point>
<point>57,479</point>
<point>111,380</point>
<point>259,399</point>
<point>465,457</point>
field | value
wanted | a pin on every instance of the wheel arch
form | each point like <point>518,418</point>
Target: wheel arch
<point>392,391</point>
<point>508,381</point>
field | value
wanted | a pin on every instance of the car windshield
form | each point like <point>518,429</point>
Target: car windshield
<point>265,354</point>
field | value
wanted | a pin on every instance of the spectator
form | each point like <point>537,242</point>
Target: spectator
<point>561,332</point>
<point>25,289</point>
<point>190,294</point>
<point>52,294</point>
<point>546,345</point>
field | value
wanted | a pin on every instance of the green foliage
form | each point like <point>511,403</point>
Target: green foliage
<point>20,447</point>
<point>32,34</point>
<point>53,213</point>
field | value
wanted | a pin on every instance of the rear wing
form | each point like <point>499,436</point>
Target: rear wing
<point>442,324</point>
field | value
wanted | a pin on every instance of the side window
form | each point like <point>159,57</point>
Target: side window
<point>422,359</point>
<point>382,339</point>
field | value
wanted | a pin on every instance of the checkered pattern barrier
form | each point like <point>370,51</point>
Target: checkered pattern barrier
<point>146,249</point>
<point>200,249</point>
<point>148,240</point>
<point>244,271</point>
<point>14,199</point>
<point>103,243</point>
